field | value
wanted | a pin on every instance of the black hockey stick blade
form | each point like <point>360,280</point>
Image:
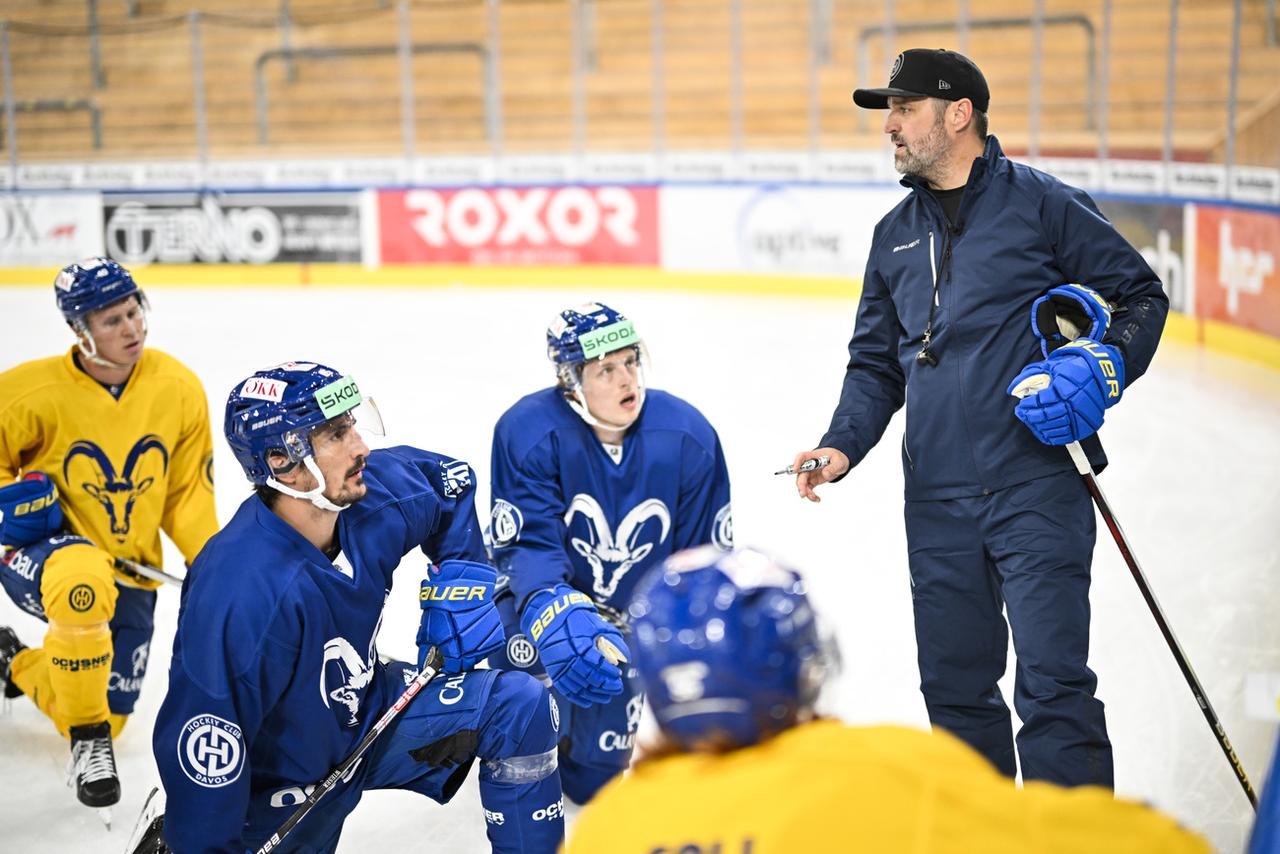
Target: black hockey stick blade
<point>148,833</point>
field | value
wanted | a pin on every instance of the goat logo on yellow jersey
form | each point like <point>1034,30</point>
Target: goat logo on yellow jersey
<point>116,492</point>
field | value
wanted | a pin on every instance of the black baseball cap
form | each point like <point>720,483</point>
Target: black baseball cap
<point>924,73</point>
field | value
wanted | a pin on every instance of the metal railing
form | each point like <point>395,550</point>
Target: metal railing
<point>262,100</point>
<point>743,74</point>
<point>1033,23</point>
<point>53,105</point>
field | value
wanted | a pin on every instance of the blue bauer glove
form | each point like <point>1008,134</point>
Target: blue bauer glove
<point>1085,379</point>
<point>458,614</point>
<point>565,626</point>
<point>1068,312</point>
<point>29,511</point>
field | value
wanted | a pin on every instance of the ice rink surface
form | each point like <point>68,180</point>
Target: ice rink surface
<point>1193,479</point>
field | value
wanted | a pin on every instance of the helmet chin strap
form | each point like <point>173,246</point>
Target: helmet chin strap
<point>315,496</point>
<point>89,348</point>
<point>578,403</point>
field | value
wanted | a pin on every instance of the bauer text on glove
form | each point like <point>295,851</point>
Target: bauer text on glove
<point>1085,379</point>
<point>564,624</point>
<point>458,614</point>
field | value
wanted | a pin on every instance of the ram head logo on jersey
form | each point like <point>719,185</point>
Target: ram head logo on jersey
<point>621,549</point>
<point>116,493</point>
<point>345,668</point>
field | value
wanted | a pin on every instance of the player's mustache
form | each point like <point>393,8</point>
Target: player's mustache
<point>358,467</point>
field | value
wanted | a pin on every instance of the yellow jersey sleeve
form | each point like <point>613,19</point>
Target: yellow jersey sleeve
<point>189,517</point>
<point>20,427</point>
<point>825,786</point>
<point>123,467</point>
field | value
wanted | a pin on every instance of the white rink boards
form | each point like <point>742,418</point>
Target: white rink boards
<point>1193,481</point>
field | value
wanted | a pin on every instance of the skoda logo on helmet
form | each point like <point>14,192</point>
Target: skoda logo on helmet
<point>897,66</point>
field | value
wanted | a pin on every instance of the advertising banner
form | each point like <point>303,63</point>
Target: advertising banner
<point>772,228</point>
<point>520,225</point>
<point>237,228</point>
<point>49,230</point>
<point>1236,276</point>
<point>1158,231</point>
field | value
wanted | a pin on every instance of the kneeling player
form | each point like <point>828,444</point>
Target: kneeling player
<point>111,441</point>
<point>731,660</point>
<point>594,481</point>
<point>275,675</point>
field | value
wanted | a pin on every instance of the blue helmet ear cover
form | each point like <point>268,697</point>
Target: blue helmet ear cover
<point>728,654</point>
<point>274,410</point>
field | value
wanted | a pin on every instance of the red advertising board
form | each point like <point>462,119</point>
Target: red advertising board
<point>520,225</point>
<point>1236,276</point>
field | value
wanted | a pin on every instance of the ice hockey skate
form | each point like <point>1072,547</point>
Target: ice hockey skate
<point>92,769</point>
<point>10,646</point>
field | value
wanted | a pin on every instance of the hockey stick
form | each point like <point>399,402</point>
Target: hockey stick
<point>132,567</point>
<point>1031,385</point>
<point>148,832</point>
<point>430,667</point>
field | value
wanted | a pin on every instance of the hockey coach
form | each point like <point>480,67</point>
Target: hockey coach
<point>968,281</point>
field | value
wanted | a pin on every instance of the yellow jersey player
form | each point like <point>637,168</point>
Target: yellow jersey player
<point>108,443</point>
<point>731,662</point>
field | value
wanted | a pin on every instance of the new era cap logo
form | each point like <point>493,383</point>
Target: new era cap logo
<point>942,84</point>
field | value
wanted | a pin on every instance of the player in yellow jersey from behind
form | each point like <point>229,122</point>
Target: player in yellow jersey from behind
<point>100,449</point>
<point>731,661</point>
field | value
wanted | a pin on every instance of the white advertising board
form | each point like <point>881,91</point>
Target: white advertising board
<point>771,228</point>
<point>49,230</point>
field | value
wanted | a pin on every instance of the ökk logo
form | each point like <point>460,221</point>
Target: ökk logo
<point>211,751</point>
<point>263,388</point>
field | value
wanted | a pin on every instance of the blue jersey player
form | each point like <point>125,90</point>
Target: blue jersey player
<point>595,480</point>
<point>275,675</point>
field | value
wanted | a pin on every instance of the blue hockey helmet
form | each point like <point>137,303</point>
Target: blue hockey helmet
<point>584,333</point>
<point>588,331</point>
<point>274,412</point>
<point>91,284</point>
<point>727,647</point>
